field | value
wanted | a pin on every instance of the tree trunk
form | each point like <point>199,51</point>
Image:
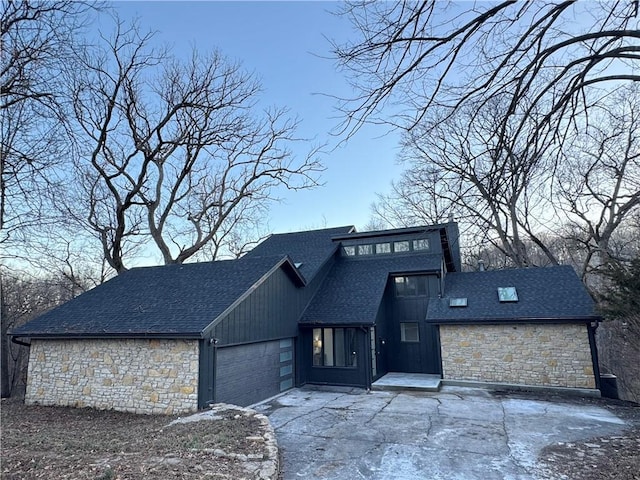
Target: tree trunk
<point>4,347</point>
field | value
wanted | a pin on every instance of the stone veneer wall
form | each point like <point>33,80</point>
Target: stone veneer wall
<point>131,375</point>
<point>525,354</point>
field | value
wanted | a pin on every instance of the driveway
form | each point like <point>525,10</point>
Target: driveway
<point>457,433</point>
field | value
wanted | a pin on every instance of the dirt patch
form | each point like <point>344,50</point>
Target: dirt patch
<point>64,443</point>
<point>603,458</point>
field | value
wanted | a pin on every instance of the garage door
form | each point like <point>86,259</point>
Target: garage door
<point>247,374</point>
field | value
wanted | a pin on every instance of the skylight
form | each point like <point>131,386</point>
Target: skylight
<point>458,302</point>
<point>507,294</point>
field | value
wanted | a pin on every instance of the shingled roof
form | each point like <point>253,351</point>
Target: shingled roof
<point>544,294</point>
<point>171,300</point>
<point>353,289</point>
<point>311,249</point>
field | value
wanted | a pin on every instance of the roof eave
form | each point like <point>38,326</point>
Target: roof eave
<point>385,233</point>
<point>337,324</point>
<point>513,320</point>
<point>110,335</point>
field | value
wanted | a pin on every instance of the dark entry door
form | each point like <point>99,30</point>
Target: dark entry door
<point>415,349</point>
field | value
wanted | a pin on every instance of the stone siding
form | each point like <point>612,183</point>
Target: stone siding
<point>546,355</point>
<point>132,375</point>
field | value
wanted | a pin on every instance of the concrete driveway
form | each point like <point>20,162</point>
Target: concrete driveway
<point>457,433</point>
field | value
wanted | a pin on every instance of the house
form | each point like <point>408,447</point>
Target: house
<point>331,306</point>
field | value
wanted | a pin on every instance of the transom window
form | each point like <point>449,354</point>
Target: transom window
<point>334,347</point>
<point>421,244</point>
<point>411,286</point>
<point>409,332</point>
<point>401,246</point>
<point>383,248</point>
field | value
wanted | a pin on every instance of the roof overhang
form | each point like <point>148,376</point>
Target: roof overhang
<point>511,320</point>
<point>110,335</point>
<point>386,233</point>
<point>337,324</point>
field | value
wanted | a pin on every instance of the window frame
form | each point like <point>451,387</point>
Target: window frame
<point>415,327</point>
<point>349,250</point>
<point>420,241</point>
<point>401,242</point>
<point>343,347</point>
<point>507,294</point>
<point>419,289</point>
<point>379,246</point>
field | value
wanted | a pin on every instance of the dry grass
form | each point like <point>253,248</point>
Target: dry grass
<point>64,443</point>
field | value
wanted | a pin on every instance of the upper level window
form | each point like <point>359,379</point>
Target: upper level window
<point>350,251</point>
<point>507,294</point>
<point>421,244</point>
<point>411,286</point>
<point>383,248</point>
<point>402,246</point>
<point>409,332</point>
<point>365,249</point>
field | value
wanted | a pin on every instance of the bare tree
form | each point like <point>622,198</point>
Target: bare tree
<point>437,69</point>
<point>598,182</point>
<point>534,209</point>
<point>38,40</point>
<point>419,56</point>
<point>178,154</point>
<point>23,298</point>
<point>466,165</point>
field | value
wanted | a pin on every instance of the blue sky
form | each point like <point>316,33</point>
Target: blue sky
<point>285,44</point>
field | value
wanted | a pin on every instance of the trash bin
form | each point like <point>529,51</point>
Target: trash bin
<point>609,385</point>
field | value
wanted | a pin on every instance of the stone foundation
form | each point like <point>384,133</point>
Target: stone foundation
<point>545,355</point>
<point>131,375</point>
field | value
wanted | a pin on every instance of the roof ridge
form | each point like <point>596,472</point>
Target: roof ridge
<point>314,230</point>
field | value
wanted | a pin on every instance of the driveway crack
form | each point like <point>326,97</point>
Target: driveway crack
<point>512,455</point>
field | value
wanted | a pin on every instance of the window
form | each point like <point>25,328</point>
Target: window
<point>350,251</point>
<point>409,332</point>
<point>411,286</point>
<point>365,249</point>
<point>383,248</point>
<point>507,294</point>
<point>458,302</point>
<point>334,347</point>
<point>421,244</point>
<point>401,246</point>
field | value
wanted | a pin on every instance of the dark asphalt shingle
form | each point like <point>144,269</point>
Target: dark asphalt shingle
<point>170,299</point>
<point>353,289</point>
<point>543,293</point>
<point>312,248</point>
